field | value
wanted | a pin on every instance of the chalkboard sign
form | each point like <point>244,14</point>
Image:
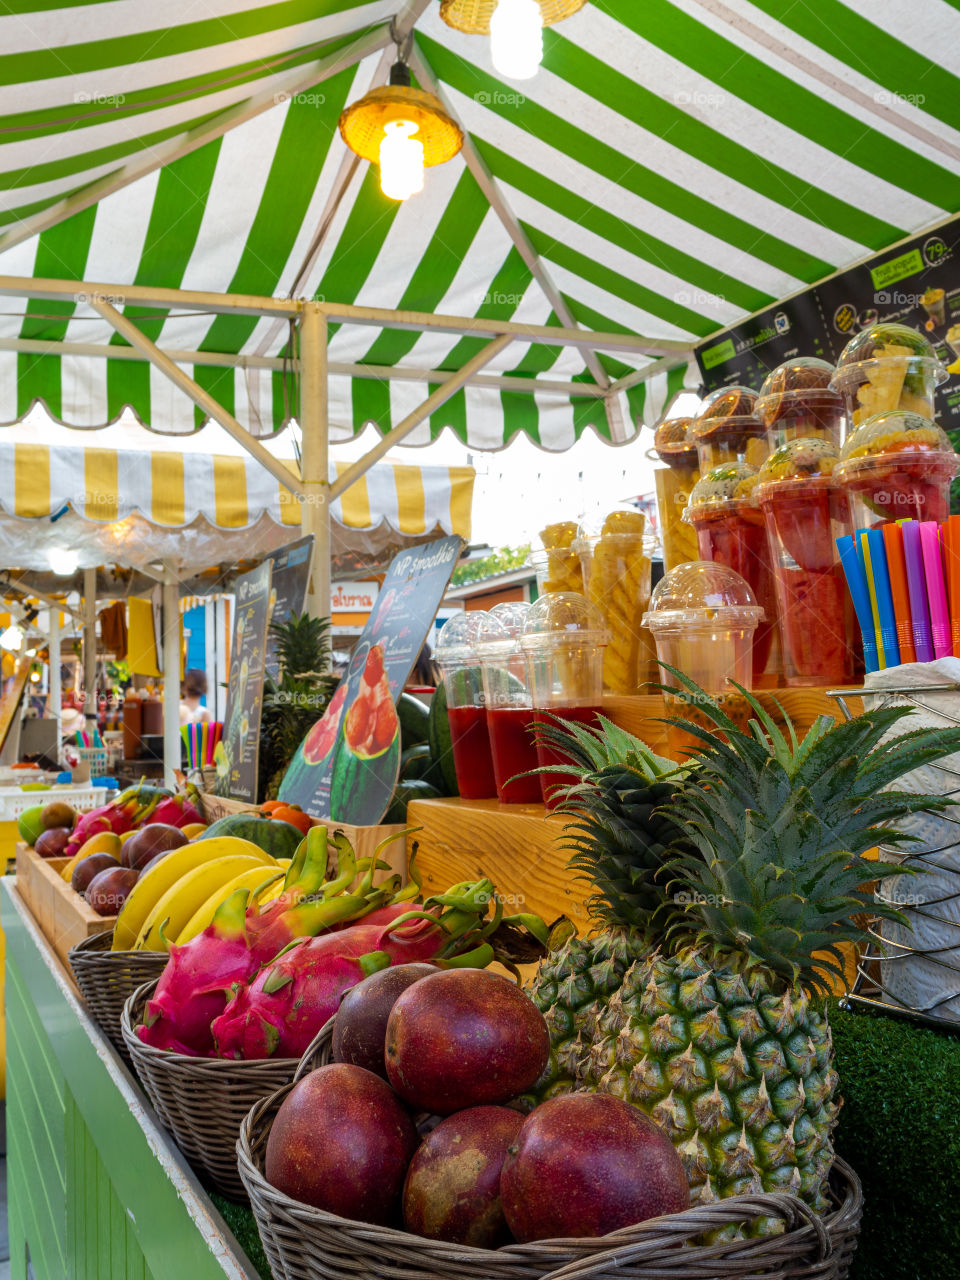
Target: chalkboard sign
<point>237,754</point>
<point>288,589</point>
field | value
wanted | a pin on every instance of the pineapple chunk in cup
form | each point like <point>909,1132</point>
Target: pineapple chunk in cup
<point>888,367</point>
<point>675,446</point>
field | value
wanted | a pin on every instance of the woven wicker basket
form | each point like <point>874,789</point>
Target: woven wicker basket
<point>303,1243</point>
<point>202,1101</point>
<point>107,979</point>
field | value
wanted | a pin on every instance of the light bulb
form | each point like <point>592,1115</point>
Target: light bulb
<point>63,562</point>
<point>516,38</point>
<point>401,160</point>
<point>11,638</point>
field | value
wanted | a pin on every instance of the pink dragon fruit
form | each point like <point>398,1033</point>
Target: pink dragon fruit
<point>113,817</point>
<point>175,811</point>
<point>289,1001</point>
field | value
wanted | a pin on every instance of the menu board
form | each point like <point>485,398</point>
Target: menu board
<point>288,590</point>
<point>917,283</point>
<point>346,768</point>
<point>237,754</point>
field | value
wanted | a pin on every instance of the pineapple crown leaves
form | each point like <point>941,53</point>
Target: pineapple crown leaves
<point>594,748</point>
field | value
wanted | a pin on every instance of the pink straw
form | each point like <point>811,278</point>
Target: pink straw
<point>936,589</point>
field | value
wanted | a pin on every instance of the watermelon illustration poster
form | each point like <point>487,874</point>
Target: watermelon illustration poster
<point>237,753</point>
<point>288,589</point>
<point>346,768</point>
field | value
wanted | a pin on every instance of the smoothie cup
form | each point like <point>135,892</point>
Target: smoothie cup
<point>730,531</point>
<point>897,466</point>
<point>796,402</point>
<point>727,429</point>
<point>674,445</point>
<point>557,563</point>
<point>887,367</point>
<point>509,703</point>
<point>456,656</point>
<point>563,641</point>
<point>703,617</point>
<point>617,574</point>
<point>805,511</point>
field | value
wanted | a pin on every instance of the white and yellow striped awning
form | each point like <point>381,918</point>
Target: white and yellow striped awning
<point>124,495</point>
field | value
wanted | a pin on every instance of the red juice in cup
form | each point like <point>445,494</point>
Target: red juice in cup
<point>897,466</point>
<point>514,752</point>
<point>546,755</point>
<point>472,758</point>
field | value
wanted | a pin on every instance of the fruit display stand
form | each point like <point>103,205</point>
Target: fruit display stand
<point>63,915</point>
<point>519,846</point>
<point>97,1191</point>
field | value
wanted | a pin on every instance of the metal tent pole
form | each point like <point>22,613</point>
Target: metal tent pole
<point>90,643</point>
<point>315,429</point>
<point>171,679</point>
<point>55,701</point>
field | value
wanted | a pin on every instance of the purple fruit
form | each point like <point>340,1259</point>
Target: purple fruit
<point>92,865</point>
<point>144,845</point>
<point>587,1164</point>
<point>158,857</point>
<point>108,891</point>
<point>464,1038</point>
<point>452,1191</point>
<point>342,1141</point>
<point>52,842</point>
<point>360,1027</point>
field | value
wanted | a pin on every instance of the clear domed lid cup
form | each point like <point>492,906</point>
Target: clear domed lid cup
<point>703,616</point>
<point>563,642</point>
<point>457,657</point>
<point>728,429</point>
<point>897,466</point>
<point>888,367</point>
<point>674,443</point>
<point>797,400</point>
<point>724,490</point>
<point>501,657</point>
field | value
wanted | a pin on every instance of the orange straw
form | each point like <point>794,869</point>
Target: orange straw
<point>897,566</point>
<point>951,556</point>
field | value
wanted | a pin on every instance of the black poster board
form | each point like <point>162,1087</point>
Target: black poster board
<point>288,589</point>
<point>237,754</point>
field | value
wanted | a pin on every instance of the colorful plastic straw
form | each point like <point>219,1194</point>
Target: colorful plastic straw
<point>936,589</point>
<point>951,558</point>
<point>857,582</point>
<point>881,579</point>
<point>866,561</point>
<point>917,584</point>
<point>897,568</point>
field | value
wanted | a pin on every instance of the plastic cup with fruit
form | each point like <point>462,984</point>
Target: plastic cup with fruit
<point>888,367</point>
<point>897,466</point>
<point>616,555</point>
<point>557,563</point>
<point>805,511</point>
<point>730,531</point>
<point>675,445</point>
<point>796,401</point>
<point>728,429</point>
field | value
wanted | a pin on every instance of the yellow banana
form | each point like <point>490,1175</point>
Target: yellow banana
<point>253,879</point>
<point>182,899</point>
<point>151,887</point>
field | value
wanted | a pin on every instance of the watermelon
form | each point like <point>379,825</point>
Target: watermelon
<point>322,738</point>
<point>363,784</point>
<point>414,720</point>
<point>441,746</point>
<point>279,839</point>
<point>413,789</point>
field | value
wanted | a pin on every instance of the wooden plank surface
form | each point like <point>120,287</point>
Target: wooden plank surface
<point>63,915</point>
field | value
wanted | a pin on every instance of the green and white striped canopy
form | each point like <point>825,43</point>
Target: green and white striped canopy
<point>672,168</point>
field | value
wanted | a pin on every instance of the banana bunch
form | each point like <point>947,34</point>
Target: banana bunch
<point>178,897</point>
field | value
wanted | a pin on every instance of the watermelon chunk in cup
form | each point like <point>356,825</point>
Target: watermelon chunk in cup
<point>897,466</point>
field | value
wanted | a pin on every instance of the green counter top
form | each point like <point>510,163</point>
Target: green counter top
<point>97,1190</point>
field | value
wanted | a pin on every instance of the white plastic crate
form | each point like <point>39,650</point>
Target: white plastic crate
<point>10,777</point>
<point>14,801</point>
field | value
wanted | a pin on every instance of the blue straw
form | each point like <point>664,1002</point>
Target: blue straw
<point>881,585</point>
<point>857,582</point>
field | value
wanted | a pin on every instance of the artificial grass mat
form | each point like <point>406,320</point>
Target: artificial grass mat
<point>900,1130</point>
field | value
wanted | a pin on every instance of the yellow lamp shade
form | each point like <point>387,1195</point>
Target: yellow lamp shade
<point>473,16</point>
<point>363,123</point>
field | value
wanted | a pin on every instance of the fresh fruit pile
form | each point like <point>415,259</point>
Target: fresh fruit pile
<point>252,978</point>
<point>461,1044</point>
<point>724,893</point>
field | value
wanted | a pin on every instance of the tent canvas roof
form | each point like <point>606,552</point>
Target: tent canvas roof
<point>671,169</point>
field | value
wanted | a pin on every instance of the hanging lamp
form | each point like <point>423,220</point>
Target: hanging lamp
<point>515,28</point>
<point>401,129</point>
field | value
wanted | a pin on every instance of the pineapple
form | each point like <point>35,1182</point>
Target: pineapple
<point>717,1029</point>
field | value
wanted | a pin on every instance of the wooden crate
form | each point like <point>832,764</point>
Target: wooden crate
<point>63,916</point>
<point>363,839</point>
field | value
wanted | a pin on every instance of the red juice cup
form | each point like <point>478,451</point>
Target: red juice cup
<point>563,642</point>
<point>510,714</point>
<point>456,656</point>
<point>897,466</point>
<point>730,531</point>
<point>703,617</point>
<point>796,402</point>
<point>805,512</point>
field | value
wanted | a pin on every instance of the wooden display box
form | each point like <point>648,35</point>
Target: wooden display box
<point>63,916</point>
<point>363,839</point>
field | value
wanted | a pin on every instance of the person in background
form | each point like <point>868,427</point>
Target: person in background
<point>425,673</point>
<point>194,688</point>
